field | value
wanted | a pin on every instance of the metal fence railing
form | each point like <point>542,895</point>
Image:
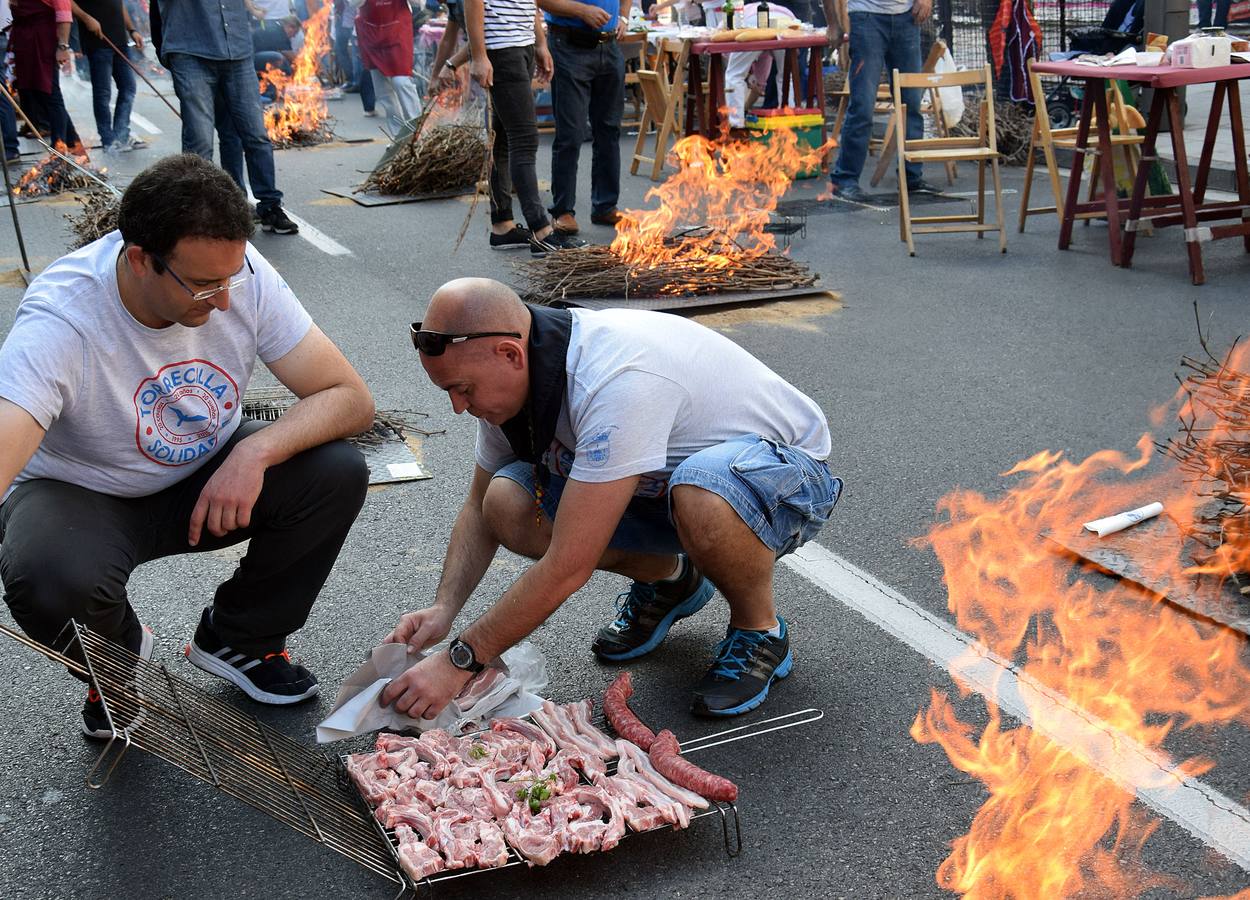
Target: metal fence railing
<point>965,24</point>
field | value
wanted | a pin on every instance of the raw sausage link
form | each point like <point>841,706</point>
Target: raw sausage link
<point>666,757</point>
<point>624,722</point>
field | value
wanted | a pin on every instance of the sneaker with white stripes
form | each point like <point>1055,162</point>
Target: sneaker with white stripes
<point>269,678</point>
<point>95,723</point>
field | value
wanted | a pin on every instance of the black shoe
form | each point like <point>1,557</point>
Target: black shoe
<point>275,219</point>
<point>555,241</point>
<point>746,664</point>
<point>517,239</point>
<point>607,217</point>
<point>271,678</point>
<point>922,187</point>
<point>647,611</point>
<point>95,724</point>
<point>852,192</point>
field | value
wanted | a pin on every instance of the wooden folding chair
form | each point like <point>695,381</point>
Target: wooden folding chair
<point>1048,139</point>
<point>934,109</point>
<point>981,149</point>
<point>663,94</point>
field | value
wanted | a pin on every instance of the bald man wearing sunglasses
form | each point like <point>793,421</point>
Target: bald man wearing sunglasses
<point>122,438</point>
<point>634,442</point>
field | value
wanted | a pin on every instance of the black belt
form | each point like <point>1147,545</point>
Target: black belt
<point>582,34</point>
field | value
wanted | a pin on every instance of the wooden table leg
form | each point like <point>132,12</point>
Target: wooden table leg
<point>716,119</point>
<point>1106,165</point>
<point>694,95</point>
<point>1144,165</point>
<point>816,88</point>
<point>1092,85</point>
<point>1189,212</point>
<point>1208,141</point>
<point>1239,153</point>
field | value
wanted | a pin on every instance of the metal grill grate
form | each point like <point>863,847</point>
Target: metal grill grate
<point>150,708</point>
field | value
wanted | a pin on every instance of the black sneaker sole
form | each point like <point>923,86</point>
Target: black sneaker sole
<point>215,666</point>
<point>274,229</point>
<point>524,246</point>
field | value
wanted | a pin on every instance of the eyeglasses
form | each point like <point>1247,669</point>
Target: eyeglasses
<point>435,343</point>
<point>240,278</point>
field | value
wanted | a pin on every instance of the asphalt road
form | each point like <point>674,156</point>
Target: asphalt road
<point>935,372</point>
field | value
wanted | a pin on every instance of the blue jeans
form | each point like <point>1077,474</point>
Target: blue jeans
<point>877,41</point>
<point>225,92</point>
<point>1221,12</point>
<point>781,493</point>
<point>8,118</point>
<point>588,83</point>
<point>105,64</point>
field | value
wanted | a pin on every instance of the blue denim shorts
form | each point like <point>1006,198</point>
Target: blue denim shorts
<point>781,493</point>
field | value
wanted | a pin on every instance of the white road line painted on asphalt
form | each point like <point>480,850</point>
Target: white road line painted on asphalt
<point>314,236</point>
<point>149,127</point>
<point>1208,815</point>
<point>317,238</point>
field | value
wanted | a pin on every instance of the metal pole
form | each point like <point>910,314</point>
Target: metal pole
<point>138,72</point>
<point>17,227</point>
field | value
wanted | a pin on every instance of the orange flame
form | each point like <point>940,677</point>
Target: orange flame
<point>300,107</point>
<point>1053,827</point>
<point>718,202</point>
<point>48,176</point>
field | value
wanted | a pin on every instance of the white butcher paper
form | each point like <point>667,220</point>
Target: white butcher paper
<point>1120,521</point>
<point>357,709</point>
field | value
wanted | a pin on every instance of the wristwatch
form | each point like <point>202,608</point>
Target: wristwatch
<point>451,64</point>
<point>62,46</point>
<point>462,657</point>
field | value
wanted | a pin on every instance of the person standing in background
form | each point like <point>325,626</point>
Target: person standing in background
<point>347,57</point>
<point>1220,7</point>
<point>207,47</point>
<point>8,118</point>
<point>506,41</point>
<point>98,20</point>
<point>588,83</point>
<point>40,41</point>
<point>384,32</point>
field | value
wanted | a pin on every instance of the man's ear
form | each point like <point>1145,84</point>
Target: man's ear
<point>137,259</point>
<point>513,352</point>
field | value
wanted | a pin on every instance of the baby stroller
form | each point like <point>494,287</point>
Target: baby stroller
<point>1121,27</point>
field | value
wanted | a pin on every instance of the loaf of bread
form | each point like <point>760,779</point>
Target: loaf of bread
<point>727,35</point>
<point>757,34</point>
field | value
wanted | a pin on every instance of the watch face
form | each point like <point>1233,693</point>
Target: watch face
<point>461,655</point>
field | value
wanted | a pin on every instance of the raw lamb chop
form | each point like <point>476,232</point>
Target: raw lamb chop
<point>417,858</point>
<point>579,714</point>
<point>372,776</point>
<point>647,771</point>
<point>527,730</point>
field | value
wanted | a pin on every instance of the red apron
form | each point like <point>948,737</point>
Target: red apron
<point>384,33</point>
<point>33,42</point>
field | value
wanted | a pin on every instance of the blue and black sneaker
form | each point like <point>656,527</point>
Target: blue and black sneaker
<point>647,611</point>
<point>746,664</point>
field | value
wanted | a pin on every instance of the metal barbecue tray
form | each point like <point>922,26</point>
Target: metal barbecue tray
<point>731,824</point>
<point>302,787</point>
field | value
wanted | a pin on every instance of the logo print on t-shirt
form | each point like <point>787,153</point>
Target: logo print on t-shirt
<point>179,411</point>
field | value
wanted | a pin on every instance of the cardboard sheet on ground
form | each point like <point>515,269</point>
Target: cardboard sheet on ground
<point>1138,554</point>
<point>508,687</point>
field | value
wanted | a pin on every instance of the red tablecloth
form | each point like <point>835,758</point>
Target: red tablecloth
<point>1153,76</point>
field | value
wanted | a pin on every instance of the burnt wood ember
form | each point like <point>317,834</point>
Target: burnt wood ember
<point>53,175</point>
<point>591,272</point>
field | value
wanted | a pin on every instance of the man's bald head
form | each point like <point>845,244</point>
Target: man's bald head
<point>467,305</point>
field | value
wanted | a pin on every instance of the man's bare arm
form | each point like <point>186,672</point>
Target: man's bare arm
<point>589,514</point>
<point>21,438</point>
<point>334,403</point>
<point>469,553</point>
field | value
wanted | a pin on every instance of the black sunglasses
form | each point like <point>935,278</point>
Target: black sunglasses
<point>434,343</point>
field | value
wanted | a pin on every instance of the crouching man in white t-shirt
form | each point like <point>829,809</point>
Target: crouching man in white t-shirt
<point>122,438</point>
<point>635,442</point>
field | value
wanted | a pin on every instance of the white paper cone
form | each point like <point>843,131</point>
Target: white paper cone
<point>1120,521</point>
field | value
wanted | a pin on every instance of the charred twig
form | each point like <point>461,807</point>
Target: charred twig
<point>441,158</point>
<point>97,218</point>
<point>599,272</point>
